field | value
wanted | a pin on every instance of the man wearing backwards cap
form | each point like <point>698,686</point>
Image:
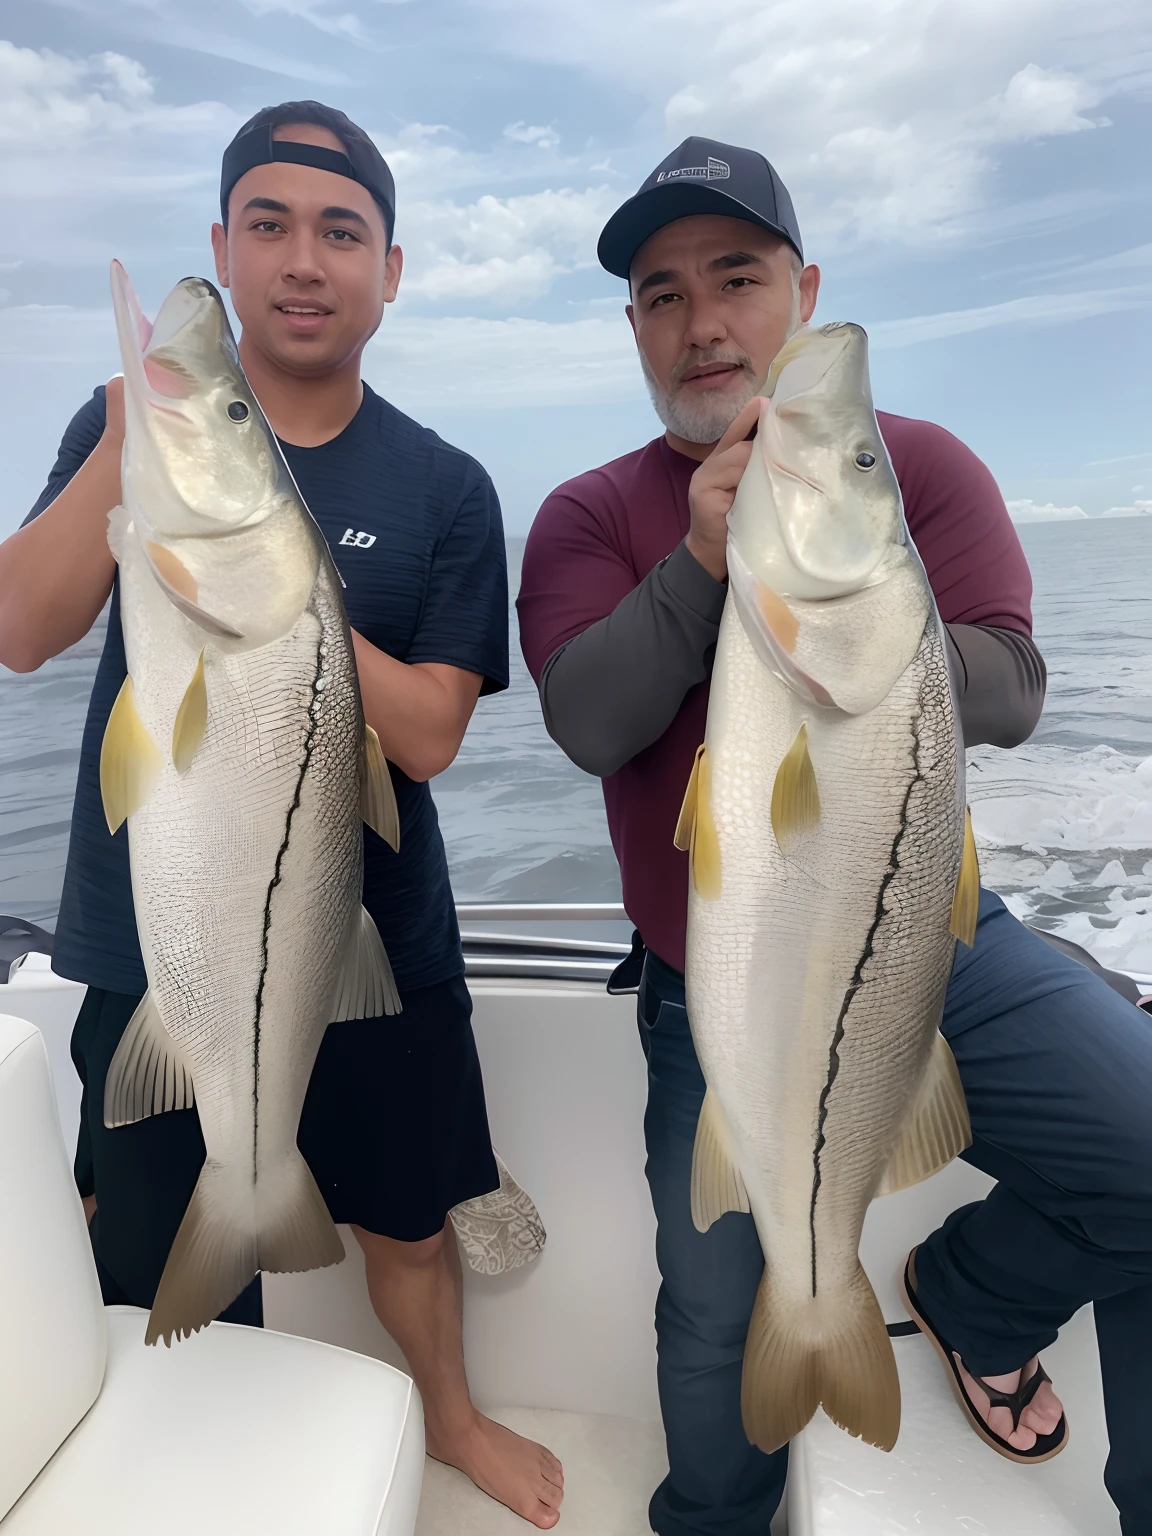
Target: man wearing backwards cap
<point>624,579</point>
<point>394,1126</point>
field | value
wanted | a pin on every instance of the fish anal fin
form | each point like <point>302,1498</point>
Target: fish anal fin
<point>805,1354</point>
<point>130,761</point>
<point>717,1184</point>
<point>966,901</point>
<point>216,1253</point>
<point>367,987</point>
<point>938,1127</point>
<point>149,1073</point>
<point>687,818</point>
<point>795,795</point>
<point>781,621</point>
<point>191,720</point>
<point>377,793</point>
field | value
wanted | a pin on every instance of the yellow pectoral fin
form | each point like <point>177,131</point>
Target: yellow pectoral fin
<point>191,720</point>
<point>781,621</point>
<point>130,762</point>
<point>966,901</point>
<point>795,796</point>
<point>687,818</point>
<point>705,851</point>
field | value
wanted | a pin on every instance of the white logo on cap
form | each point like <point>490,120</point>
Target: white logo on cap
<point>715,170</point>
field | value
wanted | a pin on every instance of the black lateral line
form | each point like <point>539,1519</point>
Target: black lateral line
<point>856,982</point>
<point>309,739</point>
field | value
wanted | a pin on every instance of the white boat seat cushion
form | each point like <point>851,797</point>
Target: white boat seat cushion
<point>237,1432</point>
<point>51,1316</point>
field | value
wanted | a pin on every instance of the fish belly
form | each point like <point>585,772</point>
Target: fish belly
<point>247,869</point>
<point>816,981</point>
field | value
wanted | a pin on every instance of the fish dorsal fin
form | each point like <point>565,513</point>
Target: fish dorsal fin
<point>130,761</point>
<point>377,793</point>
<point>717,1184</point>
<point>696,830</point>
<point>367,987</point>
<point>149,1073</point>
<point>966,901</point>
<point>938,1127</point>
<point>795,796</point>
<point>191,720</point>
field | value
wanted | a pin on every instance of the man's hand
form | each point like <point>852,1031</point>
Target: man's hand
<point>113,438</point>
<point>713,490</point>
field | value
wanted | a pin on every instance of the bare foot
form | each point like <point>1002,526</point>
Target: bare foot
<point>514,1471</point>
<point>1039,1418</point>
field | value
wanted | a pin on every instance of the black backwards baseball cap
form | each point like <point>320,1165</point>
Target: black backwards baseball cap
<point>361,161</point>
<point>702,176</point>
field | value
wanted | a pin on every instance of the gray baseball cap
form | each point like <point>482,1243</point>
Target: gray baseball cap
<point>701,176</point>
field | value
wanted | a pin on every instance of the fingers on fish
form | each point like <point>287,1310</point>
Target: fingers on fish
<point>826,1352</point>
<point>795,794</point>
<point>696,830</point>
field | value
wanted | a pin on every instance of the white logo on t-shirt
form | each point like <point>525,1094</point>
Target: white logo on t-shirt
<point>358,540</point>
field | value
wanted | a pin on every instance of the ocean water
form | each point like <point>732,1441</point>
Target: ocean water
<point>1064,823</point>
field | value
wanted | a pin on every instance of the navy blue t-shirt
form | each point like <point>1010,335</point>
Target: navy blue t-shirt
<point>415,531</point>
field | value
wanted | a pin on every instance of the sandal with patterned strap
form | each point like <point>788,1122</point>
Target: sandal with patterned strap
<point>1046,1446</point>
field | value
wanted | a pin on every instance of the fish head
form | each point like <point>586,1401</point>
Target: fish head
<point>202,473</point>
<point>818,513</point>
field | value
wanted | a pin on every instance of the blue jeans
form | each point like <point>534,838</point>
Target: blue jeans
<point>1057,1069</point>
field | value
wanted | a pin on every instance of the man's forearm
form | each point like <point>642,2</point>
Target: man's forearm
<point>616,688</point>
<point>56,573</point>
<point>1000,679</point>
<point>420,712</point>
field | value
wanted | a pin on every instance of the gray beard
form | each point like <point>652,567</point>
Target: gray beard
<point>696,421</point>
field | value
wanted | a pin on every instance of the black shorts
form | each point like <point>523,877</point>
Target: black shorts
<point>394,1129</point>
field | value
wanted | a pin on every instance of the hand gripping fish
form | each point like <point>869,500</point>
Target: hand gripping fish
<point>238,753</point>
<point>832,870</point>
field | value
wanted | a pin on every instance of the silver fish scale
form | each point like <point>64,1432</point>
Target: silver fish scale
<point>247,869</point>
<point>816,982</point>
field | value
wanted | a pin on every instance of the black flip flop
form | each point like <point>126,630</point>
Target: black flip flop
<point>1046,1446</point>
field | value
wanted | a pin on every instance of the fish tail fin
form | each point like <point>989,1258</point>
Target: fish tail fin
<point>805,1355</point>
<point>216,1252</point>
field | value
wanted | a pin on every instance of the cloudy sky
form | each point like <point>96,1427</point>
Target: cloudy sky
<point>972,175</point>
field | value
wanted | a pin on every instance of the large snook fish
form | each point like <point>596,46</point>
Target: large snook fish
<point>238,754</point>
<point>832,868</point>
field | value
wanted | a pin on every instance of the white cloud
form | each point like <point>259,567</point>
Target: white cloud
<point>507,250</point>
<point>501,363</point>
<point>887,118</point>
<point>1035,309</point>
<point>1035,512</point>
<point>1137,509</point>
<point>49,103</point>
<point>524,133</point>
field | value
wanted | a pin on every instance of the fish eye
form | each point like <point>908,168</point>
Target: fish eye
<point>238,411</point>
<point>865,460</point>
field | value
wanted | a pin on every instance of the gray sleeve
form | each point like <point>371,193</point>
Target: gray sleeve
<point>1000,679</point>
<point>616,688</point>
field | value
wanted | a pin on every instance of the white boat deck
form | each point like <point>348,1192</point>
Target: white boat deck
<point>569,1341</point>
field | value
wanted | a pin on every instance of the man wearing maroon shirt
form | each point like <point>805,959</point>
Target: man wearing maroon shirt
<point>623,584</point>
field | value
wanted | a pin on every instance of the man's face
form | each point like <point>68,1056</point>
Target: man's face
<point>713,301</point>
<point>306,260</point>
